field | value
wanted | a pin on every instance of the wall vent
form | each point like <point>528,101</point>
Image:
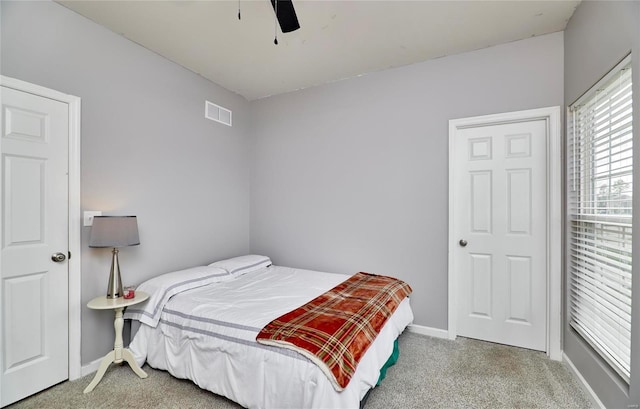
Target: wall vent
<point>217,113</point>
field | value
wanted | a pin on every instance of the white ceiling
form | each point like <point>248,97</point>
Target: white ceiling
<point>337,39</point>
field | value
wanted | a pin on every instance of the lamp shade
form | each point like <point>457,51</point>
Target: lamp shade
<point>114,231</point>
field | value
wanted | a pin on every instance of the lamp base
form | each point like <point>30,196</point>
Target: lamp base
<point>115,282</point>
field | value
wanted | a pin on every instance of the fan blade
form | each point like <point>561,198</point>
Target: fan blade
<point>286,15</point>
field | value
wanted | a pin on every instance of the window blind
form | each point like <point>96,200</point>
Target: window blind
<point>600,213</point>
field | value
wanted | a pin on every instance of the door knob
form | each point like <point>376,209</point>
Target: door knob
<point>463,243</point>
<point>58,257</point>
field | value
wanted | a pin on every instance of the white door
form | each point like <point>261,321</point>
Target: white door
<point>500,233</point>
<point>34,226</point>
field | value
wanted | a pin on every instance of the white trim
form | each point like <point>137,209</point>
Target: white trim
<point>554,216</point>
<point>453,278</point>
<point>75,228</point>
<point>428,331</point>
<point>554,234</point>
<point>74,213</point>
<point>90,368</point>
<point>583,382</point>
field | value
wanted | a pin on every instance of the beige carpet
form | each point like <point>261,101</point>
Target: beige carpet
<point>431,373</point>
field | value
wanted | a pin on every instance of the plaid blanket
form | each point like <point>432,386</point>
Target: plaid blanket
<point>335,329</point>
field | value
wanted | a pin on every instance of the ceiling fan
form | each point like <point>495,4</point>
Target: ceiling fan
<point>285,15</point>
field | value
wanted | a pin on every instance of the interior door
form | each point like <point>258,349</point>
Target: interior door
<point>500,212</point>
<point>34,226</point>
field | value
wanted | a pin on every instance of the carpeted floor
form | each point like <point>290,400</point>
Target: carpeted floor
<point>431,373</point>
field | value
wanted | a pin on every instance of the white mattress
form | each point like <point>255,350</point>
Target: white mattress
<point>208,335</point>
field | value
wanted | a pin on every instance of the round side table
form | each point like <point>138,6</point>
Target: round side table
<point>119,353</point>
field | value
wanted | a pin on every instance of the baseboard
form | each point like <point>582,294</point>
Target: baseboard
<point>431,332</point>
<point>90,367</point>
<point>592,395</point>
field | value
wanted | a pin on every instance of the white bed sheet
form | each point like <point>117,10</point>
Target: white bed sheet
<point>208,335</point>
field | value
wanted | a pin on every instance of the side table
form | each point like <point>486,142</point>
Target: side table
<point>119,353</point>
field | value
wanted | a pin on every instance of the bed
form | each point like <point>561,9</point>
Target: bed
<point>201,324</point>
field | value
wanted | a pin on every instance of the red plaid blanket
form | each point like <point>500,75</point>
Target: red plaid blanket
<point>335,329</point>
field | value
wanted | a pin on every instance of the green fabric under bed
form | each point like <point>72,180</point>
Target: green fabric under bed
<point>390,362</point>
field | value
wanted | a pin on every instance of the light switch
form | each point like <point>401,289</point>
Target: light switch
<point>88,216</point>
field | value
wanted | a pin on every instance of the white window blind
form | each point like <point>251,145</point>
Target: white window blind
<point>600,192</point>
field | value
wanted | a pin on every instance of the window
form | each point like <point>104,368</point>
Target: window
<point>600,212</point>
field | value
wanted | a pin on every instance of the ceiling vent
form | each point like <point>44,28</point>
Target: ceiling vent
<point>217,113</point>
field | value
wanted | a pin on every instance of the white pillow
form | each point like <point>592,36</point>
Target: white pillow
<point>165,286</point>
<point>242,265</point>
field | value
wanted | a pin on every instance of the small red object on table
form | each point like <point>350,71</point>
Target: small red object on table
<point>129,292</point>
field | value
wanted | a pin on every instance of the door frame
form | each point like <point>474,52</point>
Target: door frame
<point>551,115</point>
<point>74,219</point>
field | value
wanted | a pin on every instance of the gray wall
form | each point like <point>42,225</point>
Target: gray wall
<point>597,37</point>
<point>353,175</point>
<point>146,148</point>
